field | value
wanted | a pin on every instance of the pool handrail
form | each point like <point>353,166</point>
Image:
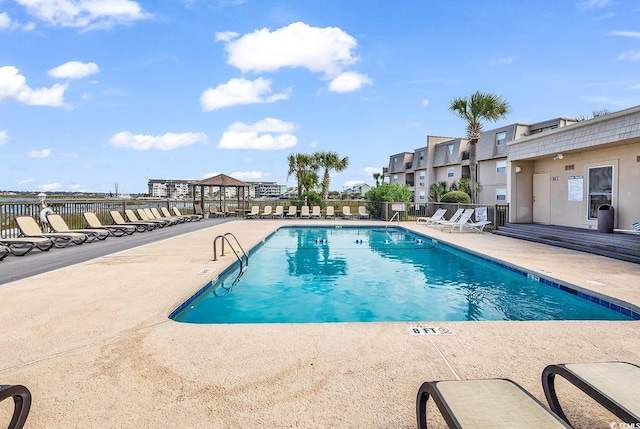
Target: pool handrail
<point>223,238</point>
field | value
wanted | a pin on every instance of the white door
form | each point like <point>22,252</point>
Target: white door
<point>541,198</point>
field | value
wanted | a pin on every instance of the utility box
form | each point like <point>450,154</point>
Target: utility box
<point>605,218</point>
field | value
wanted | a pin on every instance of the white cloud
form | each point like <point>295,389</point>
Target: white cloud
<point>425,102</point>
<point>13,85</point>
<point>5,21</point>
<point>167,141</point>
<point>4,137</point>
<point>42,153</point>
<point>247,175</point>
<point>348,82</point>
<point>313,144</point>
<point>632,34</point>
<point>505,60</point>
<point>326,50</point>
<point>225,36</point>
<point>25,182</point>
<point>371,170</point>
<point>592,4</point>
<point>207,175</point>
<point>629,56</point>
<point>85,14</point>
<point>73,70</point>
<point>267,134</point>
<point>352,183</point>
<point>239,91</point>
<point>50,186</point>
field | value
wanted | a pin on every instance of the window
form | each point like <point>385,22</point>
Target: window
<point>395,178</point>
<point>421,155</point>
<point>600,188</point>
<point>450,171</point>
<point>501,194</point>
<point>501,138</point>
<point>422,195</point>
<point>395,159</point>
<point>421,176</point>
<point>501,167</point>
<point>450,149</point>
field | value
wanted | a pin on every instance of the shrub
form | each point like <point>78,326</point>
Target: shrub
<point>456,197</point>
<point>386,192</point>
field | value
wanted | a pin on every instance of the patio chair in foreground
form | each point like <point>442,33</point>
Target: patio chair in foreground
<point>292,212</point>
<point>279,213</point>
<point>362,213</point>
<point>20,246</point>
<point>304,212</point>
<point>315,212</point>
<point>21,403</point>
<point>193,216</point>
<point>462,220</point>
<point>614,385</point>
<point>140,226</point>
<point>488,403</point>
<point>330,213</point>
<point>266,212</point>
<point>454,218</point>
<point>29,228</point>
<point>117,230</point>
<point>476,226</point>
<point>346,212</point>
<point>438,215</point>
<point>58,224</point>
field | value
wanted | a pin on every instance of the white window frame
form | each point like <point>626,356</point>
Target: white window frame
<point>501,138</point>
<point>451,172</point>
<point>421,176</point>
<point>501,167</point>
<point>449,149</point>
<point>501,194</point>
<point>395,178</point>
<point>422,195</point>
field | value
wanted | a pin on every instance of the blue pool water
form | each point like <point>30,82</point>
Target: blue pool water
<point>354,274</point>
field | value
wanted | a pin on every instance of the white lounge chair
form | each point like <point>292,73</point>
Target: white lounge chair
<point>315,212</point>
<point>266,212</point>
<point>304,212</point>
<point>362,213</point>
<point>292,212</point>
<point>346,212</point>
<point>330,213</point>
<point>278,213</point>
<point>438,215</point>
<point>462,220</point>
<point>454,218</point>
<point>254,213</point>
<point>477,226</point>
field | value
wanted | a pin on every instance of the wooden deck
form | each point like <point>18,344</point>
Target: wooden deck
<point>622,246</point>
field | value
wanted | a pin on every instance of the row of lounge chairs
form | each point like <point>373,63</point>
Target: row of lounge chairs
<point>305,213</point>
<point>493,403</point>
<point>33,237</point>
<point>460,219</point>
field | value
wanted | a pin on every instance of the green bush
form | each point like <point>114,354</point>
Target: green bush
<point>456,197</point>
<point>386,192</point>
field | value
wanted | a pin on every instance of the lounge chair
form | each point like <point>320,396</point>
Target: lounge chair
<point>278,213</point>
<point>227,212</point>
<point>254,213</point>
<point>266,212</point>
<point>477,226</point>
<point>20,246</point>
<point>292,212</point>
<point>636,227</point>
<point>140,226</point>
<point>462,220</point>
<point>21,403</point>
<point>148,216</point>
<point>438,215</point>
<point>197,209</point>
<point>330,213</point>
<point>4,251</point>
<point>181,219</point>
<point>304,212</point>
<point>316,212</point>
<point>58,224</point>
<point>454,218</point>
<point>158,215</point>
<point>614,385</point>
<point>192,216</point>
<point>132,217</point>
<point>346,212</point>
<point>117,230</point>
<point>488,403</point>
<point>362,213</point>
<point>29,228</point>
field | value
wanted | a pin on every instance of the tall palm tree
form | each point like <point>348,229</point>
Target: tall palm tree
<point>480,106</point>
<point>376,177</point>
<point>329,161</point>
<point>300,165</point>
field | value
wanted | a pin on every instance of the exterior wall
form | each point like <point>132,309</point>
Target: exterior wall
<point>490,181</point>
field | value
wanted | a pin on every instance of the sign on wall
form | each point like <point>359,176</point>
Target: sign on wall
<point>575,188</point>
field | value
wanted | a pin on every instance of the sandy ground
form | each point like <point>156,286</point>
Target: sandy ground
<point>95,347</point>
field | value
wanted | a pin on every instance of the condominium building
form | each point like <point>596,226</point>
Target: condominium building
<point>170,188</point>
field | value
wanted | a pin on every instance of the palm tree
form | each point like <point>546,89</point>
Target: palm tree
<point>437,190</point>
<point>474,109</point>
<point>329,161</point>
<point>300,165</point>
<point>376,177</point>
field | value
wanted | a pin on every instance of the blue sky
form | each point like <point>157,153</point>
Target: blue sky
<point>98,92</point>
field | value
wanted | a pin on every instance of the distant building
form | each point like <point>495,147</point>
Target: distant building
<point>266,190</point>
<point>358,189</point>
<point>170,188</point>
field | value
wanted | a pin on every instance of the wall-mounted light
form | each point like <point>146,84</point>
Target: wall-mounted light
<point>558,156</point>
<point>518,169</point>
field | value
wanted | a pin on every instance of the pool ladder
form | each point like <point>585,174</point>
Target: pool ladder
<point>396,214</point>
<point>225,238</point>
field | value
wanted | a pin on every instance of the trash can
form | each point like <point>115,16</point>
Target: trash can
<point>605,218</point>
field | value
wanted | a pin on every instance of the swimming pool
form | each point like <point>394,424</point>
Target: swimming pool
<point>360,274</point>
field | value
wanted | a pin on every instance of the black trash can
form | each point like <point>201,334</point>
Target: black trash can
<point>605,218</point>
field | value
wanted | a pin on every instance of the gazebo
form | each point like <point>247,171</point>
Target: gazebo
<point>222,182</point>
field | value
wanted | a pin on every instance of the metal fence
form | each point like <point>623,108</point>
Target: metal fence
<point>498,215</point>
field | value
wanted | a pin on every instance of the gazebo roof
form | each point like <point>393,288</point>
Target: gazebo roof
<point>221,180</point>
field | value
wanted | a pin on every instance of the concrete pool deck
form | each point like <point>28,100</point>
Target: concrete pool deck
<point>94,345</point>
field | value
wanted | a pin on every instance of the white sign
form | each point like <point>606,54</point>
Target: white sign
<point>398,207</point>
<point>575,188</point>
<point>481,214</point>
